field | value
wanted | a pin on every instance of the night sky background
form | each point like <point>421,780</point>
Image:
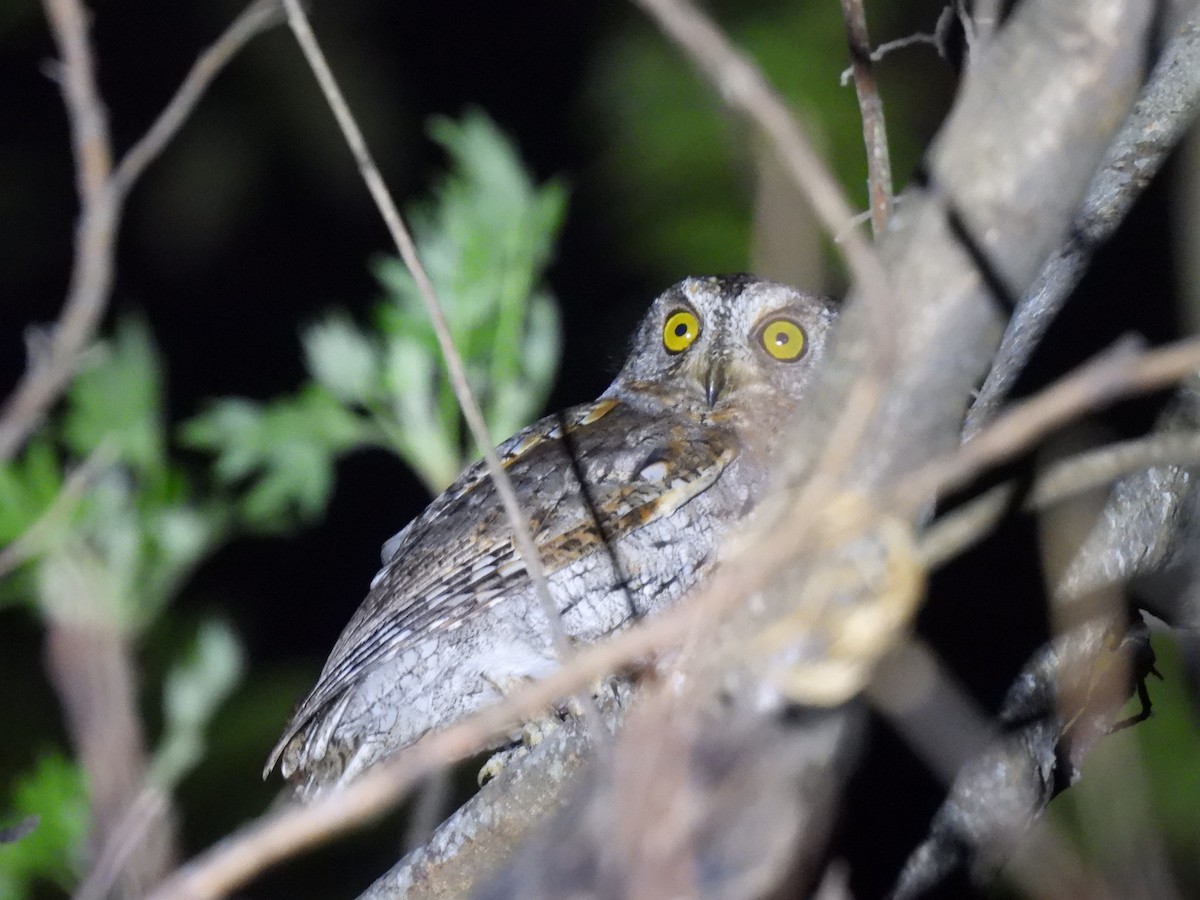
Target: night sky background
<point>255,222</point>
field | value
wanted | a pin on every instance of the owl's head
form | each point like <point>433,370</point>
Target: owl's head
<point>729,348</point>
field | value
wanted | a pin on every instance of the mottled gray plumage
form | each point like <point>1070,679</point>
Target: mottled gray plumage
<point>671,455</point>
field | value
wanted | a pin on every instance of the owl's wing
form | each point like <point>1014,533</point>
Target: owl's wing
<point>458,558</point>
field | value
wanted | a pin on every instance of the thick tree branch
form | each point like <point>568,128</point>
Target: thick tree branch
<point>1161,116</point>
<point>1066,698</point>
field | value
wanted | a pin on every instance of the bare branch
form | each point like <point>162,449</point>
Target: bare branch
<point>960,528</point>
<point>89,657</point>
<point>252,21</point>
<point>85,111</point>
<point>985,19</point>
<point>1118,373</point>
<point>870,107</point>
<point>90,663</point>
<point>1067,697</point>
<point>996,777</point>
<point>148,810</point>
<point>1160,117</point>
<point>92,267</point>
<point>102,194</point>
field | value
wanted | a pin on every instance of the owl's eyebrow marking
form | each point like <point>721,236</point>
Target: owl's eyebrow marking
<point>589,501</point>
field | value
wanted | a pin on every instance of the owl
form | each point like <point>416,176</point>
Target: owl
<point>627,499</point>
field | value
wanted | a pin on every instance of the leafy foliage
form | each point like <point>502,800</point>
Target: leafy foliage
<point>117,402</point>
<point>53,793</point>
<point>195,688</point>
<point>113,553</point>
<point>284,451</point>
<point>113,548</point>
<point>486,238</point>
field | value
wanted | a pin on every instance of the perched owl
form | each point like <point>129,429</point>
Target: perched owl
<point>626,498</point>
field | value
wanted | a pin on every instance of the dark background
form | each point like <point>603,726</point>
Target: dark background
<point>254,222</point>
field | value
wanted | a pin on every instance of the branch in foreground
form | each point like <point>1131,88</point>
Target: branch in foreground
<point>528,791</point>
<point>715,803</point>
<point>955,531</point>
<point>1161,116</point>
<point>1146,536</point>
<point>1117,373</point>
<point>998,796</point>
<point>986,172</point>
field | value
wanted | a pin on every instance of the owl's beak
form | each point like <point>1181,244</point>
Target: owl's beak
<point>714,383</point>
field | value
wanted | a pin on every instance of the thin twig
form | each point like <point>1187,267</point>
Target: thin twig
<point>960,528</point>
<point>1085,471</point>
<point>50,370</point>
<point>252,21</point>
<point>985,17</point>
<point>953,532</point>
<point>1118,373</point>
<point>888,47</point>
<point>870,108</point>
<point>102,192</point>
<point>522,538</point>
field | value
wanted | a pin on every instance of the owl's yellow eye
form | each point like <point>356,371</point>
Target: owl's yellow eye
<point>681,331</point>
<point>783,339</point>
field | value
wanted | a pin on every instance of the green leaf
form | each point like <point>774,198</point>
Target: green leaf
<point>175,539</point>
<point>194,690</point>
<point>54,850</point>
<point>419,428</point>
<point>485,239</point>
<point>344,359</point>
<point>117,400</point>
<point>91,573</point>
<point>282,453</point>
<point>28,485</point>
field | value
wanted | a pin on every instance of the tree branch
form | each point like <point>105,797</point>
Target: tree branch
<point>870,108</point>
<point>743,87</point>
<point>102,192</point>
<point>88,655</point>
<point>1004,177</point>
<point>1161,116</point>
